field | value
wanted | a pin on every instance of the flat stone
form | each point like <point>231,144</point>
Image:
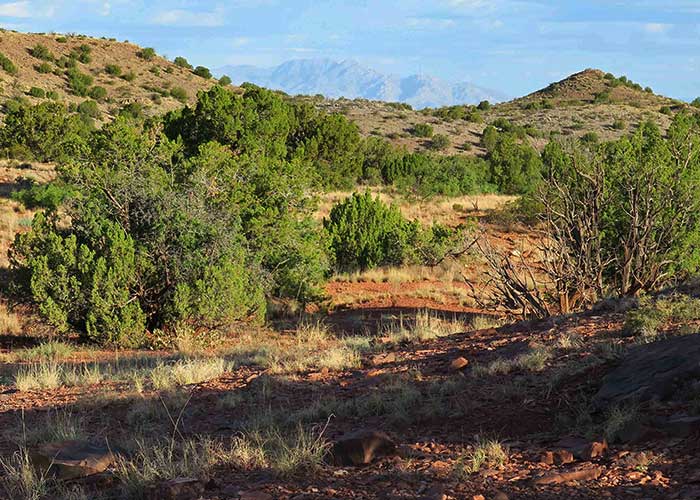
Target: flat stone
<point>651,371</point>
<point>72,459</point>
<point>568,477</point>
<point>384,358</point>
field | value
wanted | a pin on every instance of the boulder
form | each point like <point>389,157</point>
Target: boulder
<point>458,364</point>
<point>651,371</point>
<point>72,459</point>
<point>361,448</point>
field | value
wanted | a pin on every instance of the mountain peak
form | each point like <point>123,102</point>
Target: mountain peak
<point>350,79</point>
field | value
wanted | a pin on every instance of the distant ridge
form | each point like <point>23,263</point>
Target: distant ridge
<point>350,79</point>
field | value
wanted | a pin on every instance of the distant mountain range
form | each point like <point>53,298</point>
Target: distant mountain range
<point>349,79</point>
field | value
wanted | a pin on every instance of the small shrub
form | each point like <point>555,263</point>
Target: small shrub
<point>485,453</point>
<point>202,71</point>
<point>439,142</point>
<point>37,92</point>
<point>78,82</point>
<point>48,351</point>
<point>147,54</point>
<point>182,62</point>
<point>39,376</point>
<point>89,108</point>
<point>225,80</point>
<point>422,130</point>
<point>484,105</point>
<point>179,93</point>
<point>97,92</point>
<point>129,76</point>
<point>113,69</point>
<point>7,65</point>
<point>590,138</point>
<point>185,372</point>
<point>44,68</point>
<point>364,233</point>
<point>619,124</point>
<point>41,52</point>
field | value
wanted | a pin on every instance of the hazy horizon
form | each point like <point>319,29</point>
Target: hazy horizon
<point>513,46</point>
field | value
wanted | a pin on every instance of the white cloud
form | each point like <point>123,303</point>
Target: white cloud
<point>180,17</point>
<point>656,27</point>
<point>429,23</point>
<point>15,9</point>
<point>240,41</point>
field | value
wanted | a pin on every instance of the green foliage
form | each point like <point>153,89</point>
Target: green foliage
<point>97,92</point>
<point>147,54</point>
<point>129,76</point>
<point>82,53</point>
<point>78,82</point>
<point>334,147</point>
<point>590,138</point>
<point>182,62</point>
<point>45,132</point>
<point>484,105</point>
<point>37,92</point>
<point>7,65</point>
<point>225,80</point>
<point>113,69</point>
<point>439,142</point>
<point>202,71</point>
<point>619,124</point>
<point>41,52</point>
<point>89,108</point>
<point>226,224</point>
<point>44,68</point>
<point>48,196</point>
<point>422,130</point>
<point>179,93</point>
<point>515,166</point>
<point>364,233</point>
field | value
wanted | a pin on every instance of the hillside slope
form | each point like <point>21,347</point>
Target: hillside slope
<point>589,101</point>
<point>131,79</point>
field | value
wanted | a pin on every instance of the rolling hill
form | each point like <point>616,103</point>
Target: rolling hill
<point>122,69</point>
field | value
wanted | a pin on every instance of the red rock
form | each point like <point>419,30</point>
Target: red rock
<point>567,477</point>
<point>478,497</point>
<point>459,363</point>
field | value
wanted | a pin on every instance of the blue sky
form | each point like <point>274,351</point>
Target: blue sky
<point>515,46</point>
